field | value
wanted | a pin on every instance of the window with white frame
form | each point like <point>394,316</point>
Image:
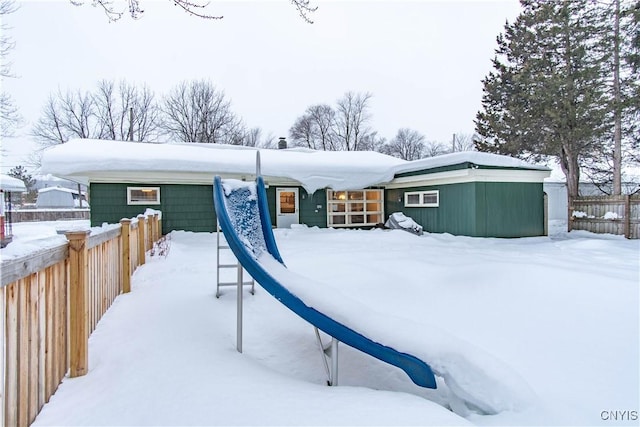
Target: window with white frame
<point>354,208</point>
<point>143,195</point>
<point>422,199</point>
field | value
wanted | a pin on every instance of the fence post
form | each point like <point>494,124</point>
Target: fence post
<point>158,233</point>
<point>627,216</point>
<point>149,220</point>
<point>126,255</point>
<point>570,214</point>
<point>78,303</point>
<point>142,230</point>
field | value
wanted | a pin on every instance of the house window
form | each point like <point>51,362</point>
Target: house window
<point>143,195</point>
<point>422,199</point>
<point>354,208</point>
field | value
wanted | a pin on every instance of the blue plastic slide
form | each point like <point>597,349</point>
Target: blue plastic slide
<point>243,215</point>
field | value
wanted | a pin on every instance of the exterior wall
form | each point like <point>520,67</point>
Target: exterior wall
<point>55,199</point>
<point>310,214</point>
<point>188,207</point>
<point>479,209</point>
<point>184,207</point>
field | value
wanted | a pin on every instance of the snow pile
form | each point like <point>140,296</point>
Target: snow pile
<point>398,220</point>
<point>611,215</point>
<point>9,183</point>
<point>561,311</point>
<point>473,157</point>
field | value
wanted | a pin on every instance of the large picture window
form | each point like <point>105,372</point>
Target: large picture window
<point>422,199</point>
<point>354,208</point>
<point>143,195</point>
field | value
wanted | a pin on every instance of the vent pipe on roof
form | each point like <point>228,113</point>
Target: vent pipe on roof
<point>282,143</point>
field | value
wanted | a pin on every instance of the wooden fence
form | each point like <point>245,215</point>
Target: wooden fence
<point>606,214</point>
<point>50,302</point>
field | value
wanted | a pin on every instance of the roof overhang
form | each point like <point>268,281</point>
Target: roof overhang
<point>469,175</point>
<point>168,177</point>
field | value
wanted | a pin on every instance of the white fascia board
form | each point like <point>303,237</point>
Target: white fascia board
<point>469,175</point>
<point>187,178</point>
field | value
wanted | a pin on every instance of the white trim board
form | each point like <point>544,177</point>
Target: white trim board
<point>469,175</point>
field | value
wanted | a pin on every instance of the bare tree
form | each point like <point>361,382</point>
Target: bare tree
<point>434,148</point>
<point>9,116</point>
<point>127,112</point>
<point>462,142</point>
<point>351,120</point>
<point>254,138</point>
<point>323,118</point>
<point>315,129</point>
<point>408,144</point>
<point>198,112</point>
<point>192,7</point>
<point>65,116</point>
<point>302,132</point>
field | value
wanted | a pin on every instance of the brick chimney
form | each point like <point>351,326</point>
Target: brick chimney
<point>282,143</point>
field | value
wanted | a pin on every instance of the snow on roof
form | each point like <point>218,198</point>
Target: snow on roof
<point>9,183</point>
<point>83,160</point>
<point>61,189</point>
<point>344,170</point>
<point>475,157</point>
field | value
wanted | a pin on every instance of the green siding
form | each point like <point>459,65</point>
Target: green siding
<point>510,209</point>
<point>455,215</point>
<point>310,214</point>
<point>188,207</point>
<point>472,209</point>
<point>184,207</point>
<point>481,209</point>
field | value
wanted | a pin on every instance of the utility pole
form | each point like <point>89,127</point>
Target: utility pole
<point>453,144</point>
<point>130,123</point>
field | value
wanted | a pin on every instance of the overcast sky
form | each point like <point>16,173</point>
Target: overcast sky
<point>422,61</point>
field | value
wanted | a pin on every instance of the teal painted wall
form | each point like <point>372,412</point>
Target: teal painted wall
<point>470,209</point>
<point>455,215</point>
<point>188,207</point>
<point>509,209</point>
<point>481,209</point>
<point>184,207</point>
<point>310,214</point>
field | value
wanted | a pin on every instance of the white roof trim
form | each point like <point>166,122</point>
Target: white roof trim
<point>469,175</point>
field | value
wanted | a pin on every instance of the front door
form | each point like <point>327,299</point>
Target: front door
<point>287,207</point>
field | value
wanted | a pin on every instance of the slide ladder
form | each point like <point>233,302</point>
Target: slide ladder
<point>222,247</point>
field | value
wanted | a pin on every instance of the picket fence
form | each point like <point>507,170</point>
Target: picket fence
<point>606,214</point>
<point>50,302</point>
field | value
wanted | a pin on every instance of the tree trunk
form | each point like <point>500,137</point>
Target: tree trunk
<point>617,130</point>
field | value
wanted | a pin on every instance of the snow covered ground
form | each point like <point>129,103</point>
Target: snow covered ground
<point>561,311</point>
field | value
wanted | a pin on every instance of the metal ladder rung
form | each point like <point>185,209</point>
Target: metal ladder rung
<point>227,265</point>
<point>249,283</point>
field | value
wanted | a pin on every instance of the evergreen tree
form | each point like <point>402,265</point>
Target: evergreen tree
<point>545,96</point>
<point>20,172</point>
<point>617,24</point>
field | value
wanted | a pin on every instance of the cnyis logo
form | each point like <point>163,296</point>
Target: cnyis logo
<point>619,415</point>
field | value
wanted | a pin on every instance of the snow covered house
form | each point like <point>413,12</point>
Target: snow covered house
<point>468,193</point>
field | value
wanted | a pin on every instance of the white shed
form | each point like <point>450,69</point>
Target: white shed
<point>59,197</point>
